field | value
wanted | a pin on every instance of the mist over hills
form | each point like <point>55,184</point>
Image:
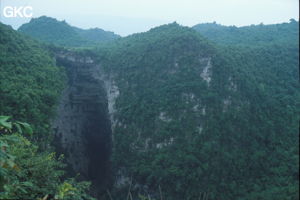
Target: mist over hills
<point>176,112</point>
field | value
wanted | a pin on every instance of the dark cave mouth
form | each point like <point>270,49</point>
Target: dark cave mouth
<point>98,137</point>
<point>83,123</point>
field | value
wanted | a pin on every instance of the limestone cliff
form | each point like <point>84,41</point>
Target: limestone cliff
<point>82,126</point>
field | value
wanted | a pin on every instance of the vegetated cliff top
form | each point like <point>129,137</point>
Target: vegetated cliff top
<point>167,40</point>
<point>254,35</point>
<point>50,30</point>
<point>164,33</point>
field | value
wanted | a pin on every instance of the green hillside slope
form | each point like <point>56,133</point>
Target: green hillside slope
<point>30,85</point>
<point>196,120</point>
<point>30,81</point>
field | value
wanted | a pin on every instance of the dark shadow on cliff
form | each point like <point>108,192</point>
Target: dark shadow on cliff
<point>82,126</point>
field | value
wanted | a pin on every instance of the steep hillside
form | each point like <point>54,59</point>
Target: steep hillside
<point>60,33</point>
<point>193,120</point>
<point>285,33</point>
<point>30,85</point>
<point>30,82</point>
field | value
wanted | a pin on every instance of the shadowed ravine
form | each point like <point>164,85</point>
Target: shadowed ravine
<point>82,127</point>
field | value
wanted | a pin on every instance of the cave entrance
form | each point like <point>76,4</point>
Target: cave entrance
<point>82,126</point>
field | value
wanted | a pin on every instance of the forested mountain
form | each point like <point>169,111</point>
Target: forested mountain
<point>60,33</point>
<point>30,84</point>
<point>192,119</point>
<point>169,114</point>
<point>284,34</point>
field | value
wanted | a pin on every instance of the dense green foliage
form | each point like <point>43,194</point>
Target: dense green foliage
<point>30,83</point>
<point>234,138</point>
<point>60,33</point>
<point>26,173</point>
<point>254,35</point>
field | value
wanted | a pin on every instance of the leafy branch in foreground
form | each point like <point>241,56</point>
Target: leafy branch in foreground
<point>27,173</point>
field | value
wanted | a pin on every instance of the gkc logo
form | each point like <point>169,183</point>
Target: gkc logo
<point>22,11</point>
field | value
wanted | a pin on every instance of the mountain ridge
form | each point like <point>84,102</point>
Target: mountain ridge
<point>283,33</point>
<point>50,30</point>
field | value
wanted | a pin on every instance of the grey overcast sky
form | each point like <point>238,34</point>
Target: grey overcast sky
<point>130,16</point>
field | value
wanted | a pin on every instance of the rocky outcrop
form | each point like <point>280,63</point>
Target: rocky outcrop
<point>206,73</point>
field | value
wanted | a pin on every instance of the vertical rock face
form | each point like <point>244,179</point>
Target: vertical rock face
<point>82,127</point>
<point>111,90</point>
<point>206,73</point>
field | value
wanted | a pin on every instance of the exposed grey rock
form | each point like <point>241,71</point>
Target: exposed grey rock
<point>163,117</point>
<point>206,73</point>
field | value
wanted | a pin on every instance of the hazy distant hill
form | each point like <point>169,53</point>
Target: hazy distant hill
<point>285,33</point>
<point>61,33</point>
<point>96,34</point>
